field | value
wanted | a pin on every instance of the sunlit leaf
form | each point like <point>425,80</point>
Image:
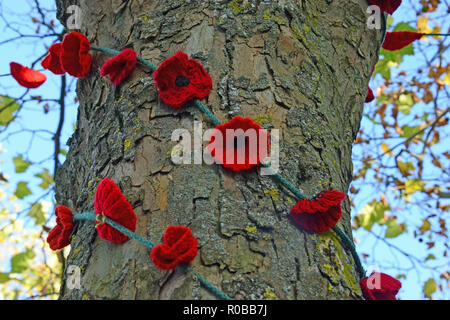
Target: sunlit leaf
<point>4,277</point>
<point>429,288</point>
<point>7,108</point>
<point>37,212</point>
<point>414,185</point>
<point>22,190</point>
<point>405,103</point>
<point>20,261</point>
<point>47,179</point>
<point>20,164</point>
<point>426,225</point>
<point>373,212</point>
<point>394,229</point>
<point>430,257</point>
<point>405,167</point>
<point>408,131</point>
<point>386,149</point>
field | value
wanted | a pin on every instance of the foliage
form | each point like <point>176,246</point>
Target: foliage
<point>401,156</point>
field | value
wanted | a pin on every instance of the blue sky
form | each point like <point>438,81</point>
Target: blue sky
<point>33,117</point>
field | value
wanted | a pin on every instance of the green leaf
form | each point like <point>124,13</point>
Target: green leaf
<point>47,179</point>
<point>405,103</point>
<point>383,67</point>
<point>430,257</point>
<point>414,185</point>
<point>394,229</point>
<point>38,214</point>
<point>404,26</point>
<point>4,277</point>
<point>373,212</point>
<point>7,108</point>
<point>22,190</point>
<point>63,152</point>
<point>20,261</point>
<point>429,288</point>
<point>408,131</point>
<point>20,164</point>
<point>405,167</point>
<point>426,225</point>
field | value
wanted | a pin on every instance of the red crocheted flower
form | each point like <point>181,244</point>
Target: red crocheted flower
<point>180,79</point>
<point>75,57</point>
<point>120,66</point>
<point>388,6</point>
<point>240,144</point>
<point>52,61</point>
<point>179,247</point>
<point>59,236</point>
<point>321,213</point>
<point>399,39</point>
<point>110,202</point>
<point>380,286</point>
<point>370,97</point>
<point>27,77</point>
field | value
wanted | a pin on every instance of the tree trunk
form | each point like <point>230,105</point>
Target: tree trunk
<point>300,66</point>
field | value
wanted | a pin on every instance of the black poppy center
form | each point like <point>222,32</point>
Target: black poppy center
<point>182,81</point>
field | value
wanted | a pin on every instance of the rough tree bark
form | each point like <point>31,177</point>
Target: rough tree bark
<point>301,66</point>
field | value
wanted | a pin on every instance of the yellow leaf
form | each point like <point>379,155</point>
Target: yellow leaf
<point>385,148</point>
<point>447,78</point>
<point>422,25</point>
<point>425,226</point>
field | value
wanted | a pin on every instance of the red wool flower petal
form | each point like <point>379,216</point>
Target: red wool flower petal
<point>380,286</point>
<point>250,144</point>
<point>321,213</point>
<point>399,39</point>
<point>180,79</point>
<point>75,57</point>
<point>27,77</point>
<point>120,66</point>
<point>370,97</point>
<point>388,6</point>
<point>52,61</point>
<point>179,247</point>
<point>59,236</point>
<point>110,201</point>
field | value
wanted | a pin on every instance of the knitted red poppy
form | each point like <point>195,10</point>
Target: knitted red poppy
<point>52,61</point>
<point>120,66</point>
<point>248,144</point>
<point>387,289</point>
<point>179,247</point>
<point>180,79</point>
<point>388,6</point>
<point>321,213</point>
<point>110,201</point>
<point>59,236</point>
<point>399,39</point>
<point>370,97</point>
<point>27,77</point>
<point>75,57</point>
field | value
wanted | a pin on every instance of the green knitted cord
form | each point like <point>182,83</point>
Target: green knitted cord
<point>93,217</point>
<point>146,63</point>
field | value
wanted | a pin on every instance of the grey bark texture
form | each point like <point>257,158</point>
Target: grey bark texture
<point>298,66</point>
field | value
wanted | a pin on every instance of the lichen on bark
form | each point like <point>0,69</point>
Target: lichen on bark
<point>298,66</point>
